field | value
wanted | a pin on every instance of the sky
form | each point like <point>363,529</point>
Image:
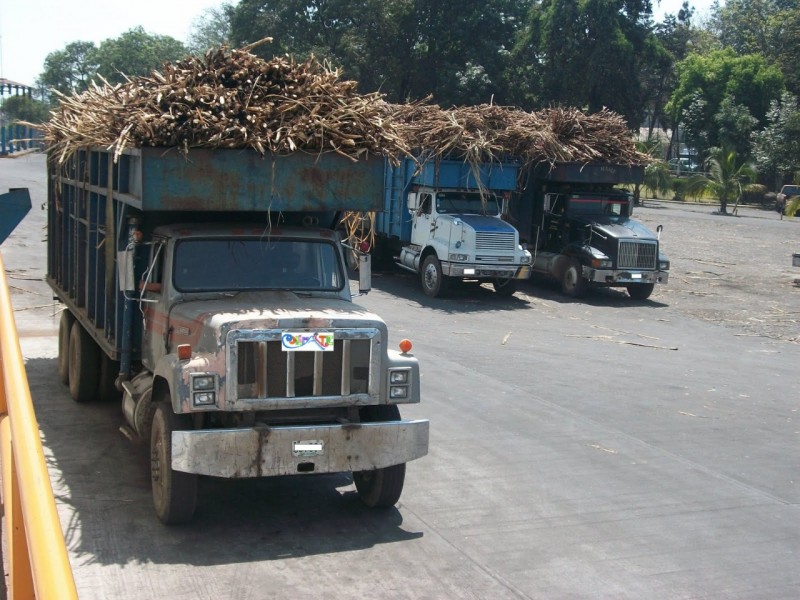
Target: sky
<point>32,29</point>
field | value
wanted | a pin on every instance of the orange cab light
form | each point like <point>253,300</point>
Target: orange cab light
<point>184,352</point>
<point>405,346</point>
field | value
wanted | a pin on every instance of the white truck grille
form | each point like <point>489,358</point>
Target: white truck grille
<point>494,241</point>
<point>637,255</point>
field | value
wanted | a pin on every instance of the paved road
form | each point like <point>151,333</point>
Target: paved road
<point>596,449</point>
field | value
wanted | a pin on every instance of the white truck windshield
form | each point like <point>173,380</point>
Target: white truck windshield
<point>220,264</point>
<point>467,203</point>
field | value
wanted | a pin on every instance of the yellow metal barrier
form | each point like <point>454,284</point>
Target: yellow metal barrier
<point>38,564</point>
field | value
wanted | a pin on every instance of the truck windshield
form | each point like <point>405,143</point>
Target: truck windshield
<point>219,264</point>
<point>467,203</point>
<point>579,205</point>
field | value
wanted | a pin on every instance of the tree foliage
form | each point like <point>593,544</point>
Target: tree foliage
<point>25,108</point>
<point>408,49</point>
<point>705,81</point>
<point>211,29</point>
<point>590,54</point>
<point>70,69</point>
<point>777,147</point>
<point>770,28</point>
<point>135,52</point>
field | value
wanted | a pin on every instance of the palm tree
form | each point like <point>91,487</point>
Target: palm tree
<point>724,178</point>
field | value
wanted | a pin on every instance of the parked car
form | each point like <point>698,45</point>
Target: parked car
<point>786,194</point>
<point>683,166</point>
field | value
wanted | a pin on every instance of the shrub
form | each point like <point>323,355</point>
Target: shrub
<point>753,193</point>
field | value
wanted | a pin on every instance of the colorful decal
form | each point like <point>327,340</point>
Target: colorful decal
<point>292,341</point>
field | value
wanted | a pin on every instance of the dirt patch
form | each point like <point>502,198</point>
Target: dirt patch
<point>733,270</point>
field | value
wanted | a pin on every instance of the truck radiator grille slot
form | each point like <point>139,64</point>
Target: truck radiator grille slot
<point>264,370</point>
<point>494,241</point>
<point>637,255</point>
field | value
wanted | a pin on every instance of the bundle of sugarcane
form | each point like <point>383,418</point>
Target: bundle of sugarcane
<point>488,132</point>
<point>228,99</point>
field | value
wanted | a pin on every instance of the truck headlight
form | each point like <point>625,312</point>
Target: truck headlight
<point>602,263</point>
<point>204,389</point>
<point>399,384</point>
<point>663,264</point>
<point>459,257</point>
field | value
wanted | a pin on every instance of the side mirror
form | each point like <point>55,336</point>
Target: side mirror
<point>127,282</point>
<point>364,273</point>
<point>413,200</point>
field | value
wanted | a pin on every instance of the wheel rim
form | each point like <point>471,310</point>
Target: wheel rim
<point>431,276</point>
<point>571,278</point>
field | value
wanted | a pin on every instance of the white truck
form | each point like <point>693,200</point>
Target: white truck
<point>442,220</point>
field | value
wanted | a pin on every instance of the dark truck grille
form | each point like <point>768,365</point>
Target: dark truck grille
<point>637,255</point>
<point>494,241</point>
<point>265,371</point>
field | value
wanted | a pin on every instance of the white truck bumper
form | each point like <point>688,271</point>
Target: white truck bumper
<point>474,271</point>
<point>292,450</point>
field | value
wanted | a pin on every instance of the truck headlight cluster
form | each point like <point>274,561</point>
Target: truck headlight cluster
<point>602,263</point>
<point>204,389</point>
<point>459,257</point>
<point>399,384</point>
<point>663,264</point>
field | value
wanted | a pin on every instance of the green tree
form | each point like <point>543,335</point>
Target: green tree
<point>588,53</point>
<point>406,48</point>
<point>777,147</point>
<point>724,178</point>
<point>735,125</point>
<point>71,69</point>
<point>767,27</point>
<point>211,29</point>
<point>136,52</point>
<point>25,108</point>
<point>704,81</point>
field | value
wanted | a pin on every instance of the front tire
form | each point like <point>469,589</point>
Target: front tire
<point>84,356</point>
<point>174,492</point>
<point>573,284</point>
<point>432,277</point>
<point>641,291</point>
<point>380,488</point>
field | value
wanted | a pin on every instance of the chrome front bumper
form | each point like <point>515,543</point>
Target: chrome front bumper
<point>473,271</point>
<point>624,277</point>
<point>292,450</point>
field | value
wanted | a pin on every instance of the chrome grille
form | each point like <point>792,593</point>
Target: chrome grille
<point>637,255</point>
<point>263,370</point>
<point>494,241</point>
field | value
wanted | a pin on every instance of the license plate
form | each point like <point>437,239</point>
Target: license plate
<point>636,275</point>
<point>305,448</point>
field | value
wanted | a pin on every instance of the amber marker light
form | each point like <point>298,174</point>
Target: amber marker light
<point>405,346</point>
<point>184,352</point>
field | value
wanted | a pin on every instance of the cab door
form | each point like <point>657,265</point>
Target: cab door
<point>423,221</point>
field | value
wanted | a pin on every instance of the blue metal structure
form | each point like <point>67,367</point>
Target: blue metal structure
<point>92,199</point>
